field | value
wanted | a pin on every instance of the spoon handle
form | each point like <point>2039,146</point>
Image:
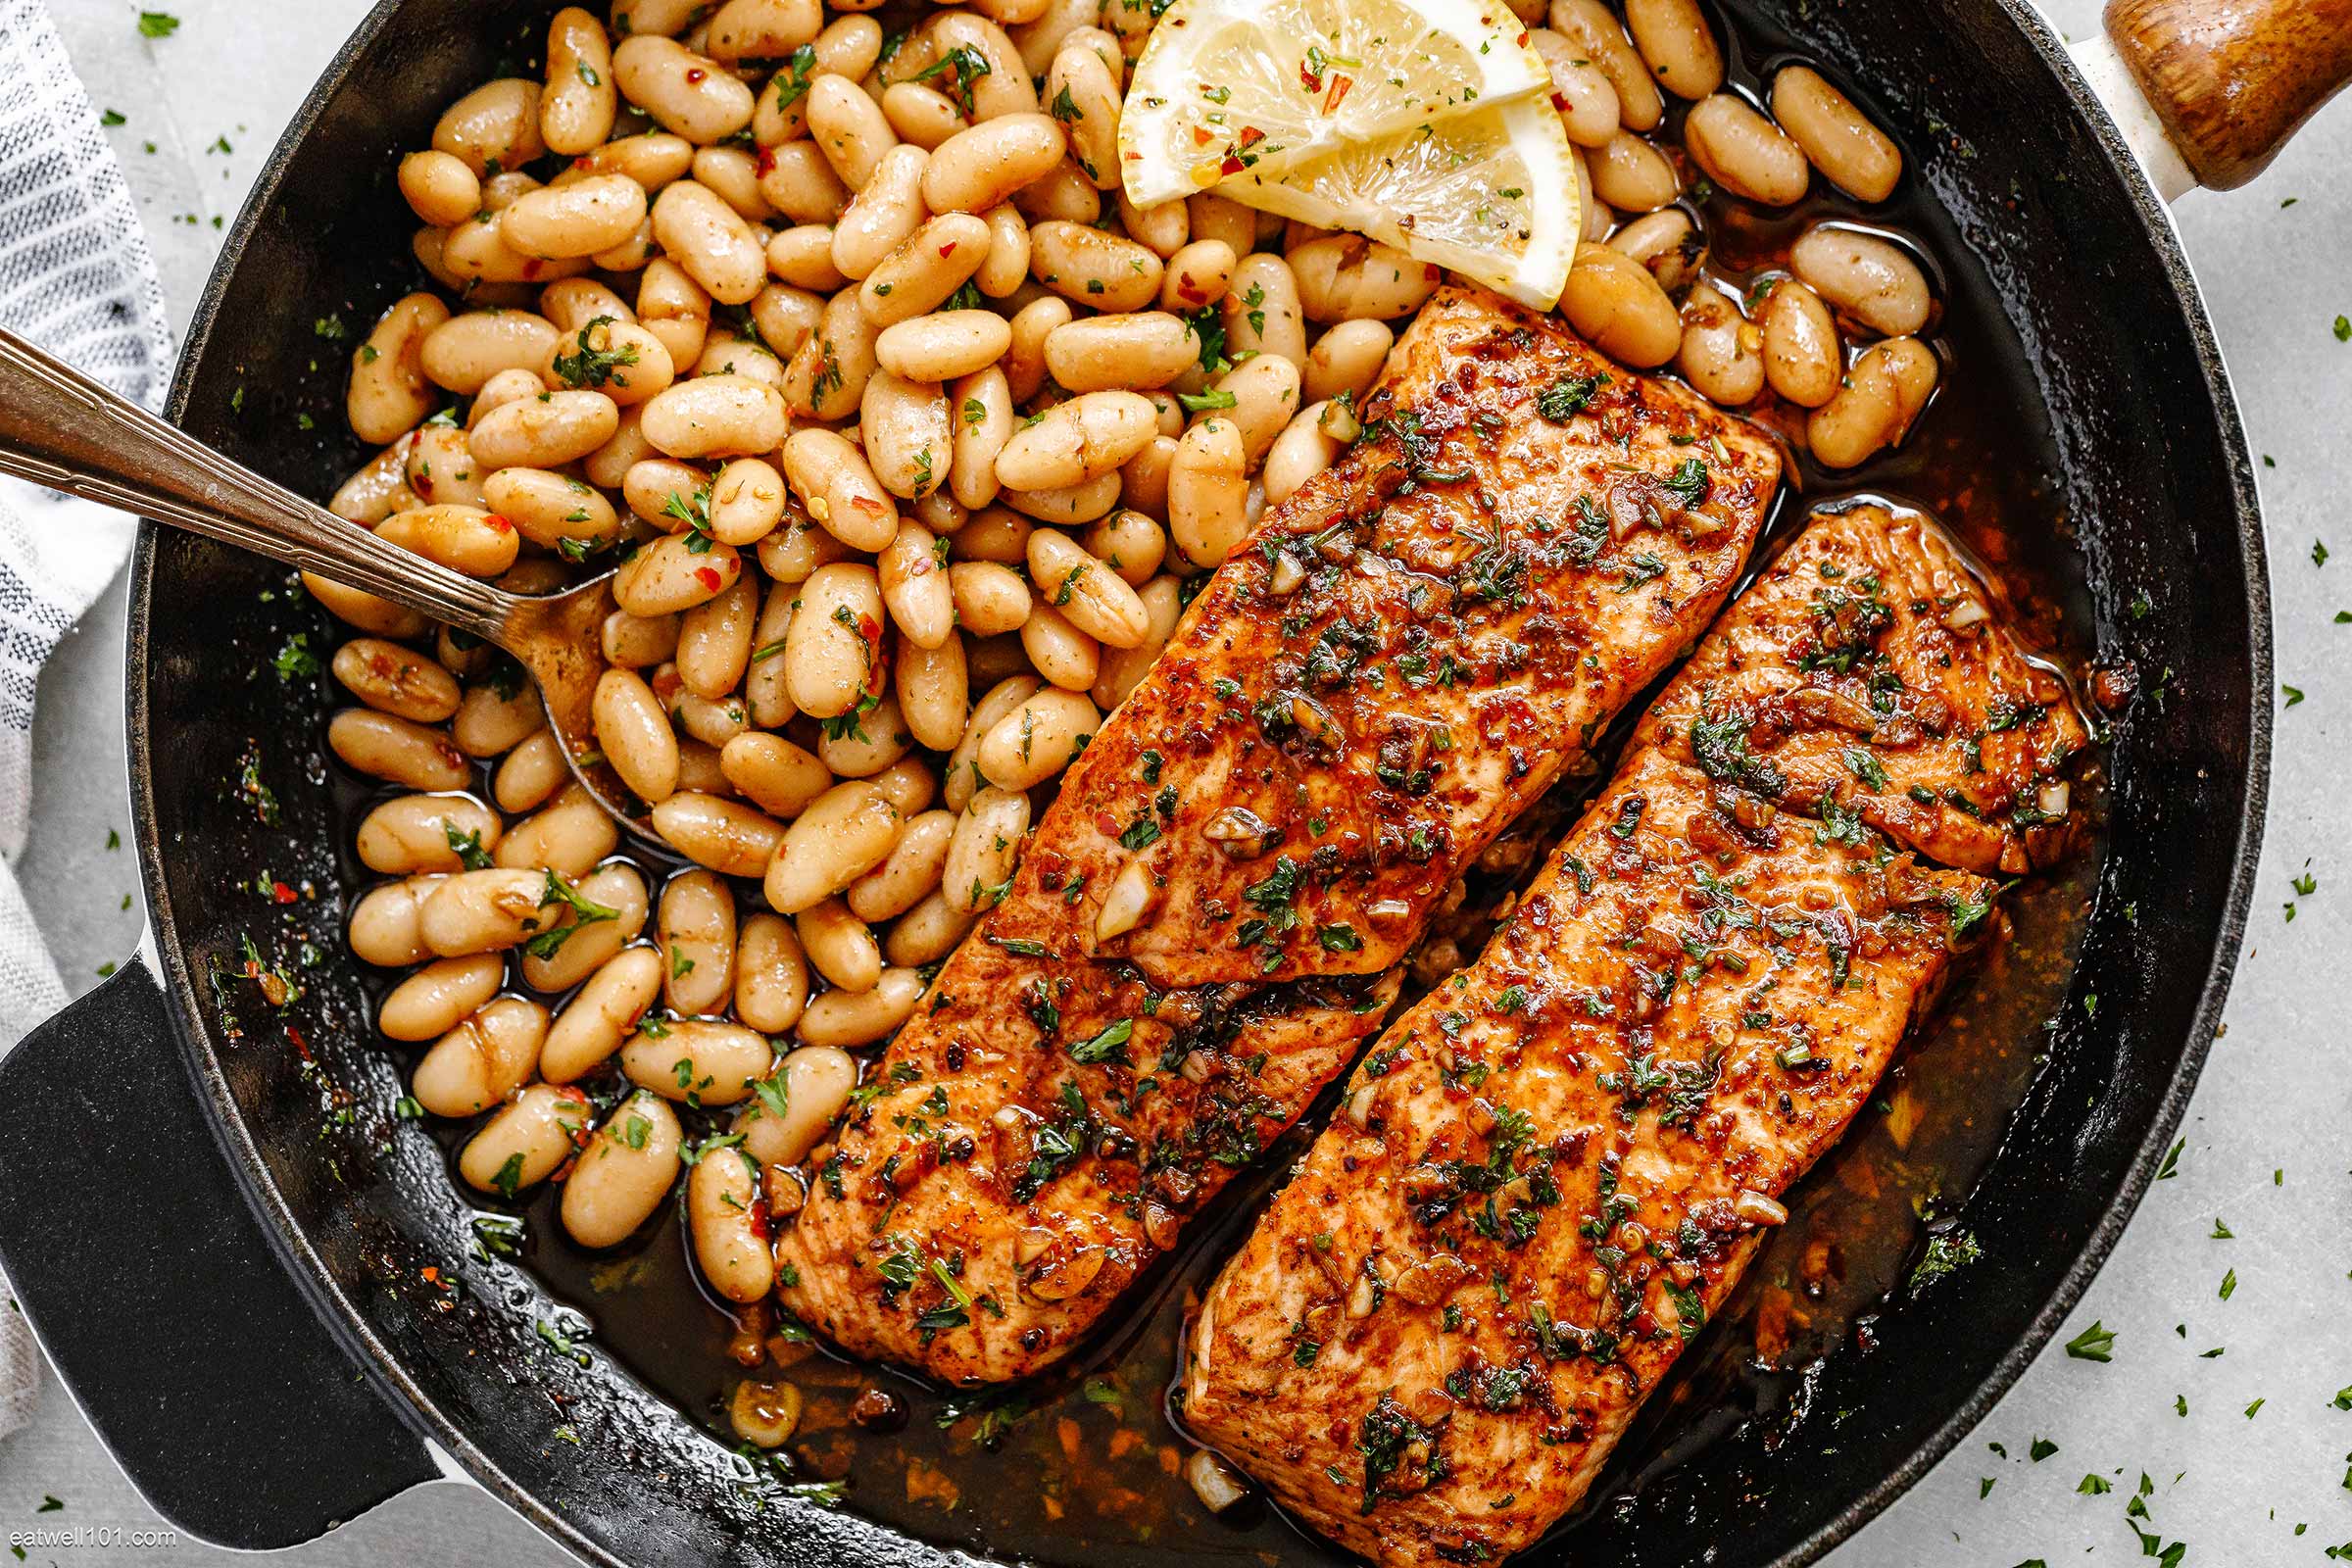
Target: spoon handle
<point>61,429</point>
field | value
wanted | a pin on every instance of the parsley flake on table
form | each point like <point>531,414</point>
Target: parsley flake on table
<point>2094,1344</point>
<point>158,24</point>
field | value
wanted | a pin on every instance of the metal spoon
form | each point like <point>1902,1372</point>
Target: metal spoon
<point>62,429</point>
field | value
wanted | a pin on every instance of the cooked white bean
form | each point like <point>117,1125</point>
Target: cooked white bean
<point>843,1018</point>
<point>580,218</point>
<point>1039,739</point>
<point>1094,598</point>
<point>592,938</point>
<point>632,729</point>
<point>1090,435</point>
<point>1300,452</point>
<point>572,835</point>
<point>1102,271</point>
<point>832,654</point>
<point>388,394</point>
<point>978,169</point>
<point>1614,303</point>
<point>771,975</point>
<point>911,869</point>
<point>439,188</point>
<point>1348,277</point>
<point>839,946</point>
<point>1723,352</point>
<point>691,95</point>
<point>816,1083</point>
<point>386,923</point>
<point>425,833</point>
<point>1580,91</point>
<point>1595,35</point>
<point>495,125</point>
<point>527,1140</point>
<point>727,836</point>
<point>943,346</point>
<point>387,746</point>
<point>1209,492</point>
<point>1864,276</point>
<point>600,1015</point>
<point>624,1173</point>
<point>842,835</point>
<point>698,1062</point>
<point>1631,174</point>
<point>888,207</point>
<point>491,722</point>
<point>577,106</point>
<point>696,925</point>
<point>984,848</point>
<point>531,773</point>
<point>727,1216</point>
<point>1838,139</point>
<point>903,426</point>
<point>1883,394</point>
<point>430,1003</point>
<point>1745,153</point>
<point>481,1060</point>
<point>980,414</point>
<point>1123,669</point>
<point>1674,38</point>
<point>1802,357</point>
<point>397,680</point>
<point>990,599</point>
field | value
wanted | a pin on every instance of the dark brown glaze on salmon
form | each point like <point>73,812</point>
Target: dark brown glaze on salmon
<point>1869,671</point>
<point>1406,653</point>
<point>1554,1167</point>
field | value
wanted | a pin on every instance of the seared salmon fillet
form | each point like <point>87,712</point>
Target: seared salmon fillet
<point>1207,922</point>
<point>1551,1171</point>
<point>1869,670</point>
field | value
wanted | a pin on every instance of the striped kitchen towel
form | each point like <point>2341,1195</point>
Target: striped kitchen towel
<point>76,278</point>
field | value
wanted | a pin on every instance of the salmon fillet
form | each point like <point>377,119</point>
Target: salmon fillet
<point>1553,1168</point>
<point>1405,654</point>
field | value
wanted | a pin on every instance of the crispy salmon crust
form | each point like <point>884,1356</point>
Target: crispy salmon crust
<point>1405,654</point>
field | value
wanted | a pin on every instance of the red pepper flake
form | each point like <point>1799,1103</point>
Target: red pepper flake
<point>694,75</point>
<point>1310,79</point>
<point>1250,137</point>
<point>1231,166</point>
<point>531,268</point>
<point>1338,94</point>
<point>1106,825</point>
<point>1201,137</point>
<point>1559,101</point>
<point>281,893</point>
<point>498,524</point>
<point>710,578</point>
<point>301,1045</point>
<point>765,163</point>
<point>1432,274</point>
<point>948,249</point>
<point>1521,37</point>
<point>583,162</point>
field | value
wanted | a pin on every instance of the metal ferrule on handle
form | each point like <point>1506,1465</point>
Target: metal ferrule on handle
<point>64,430</point>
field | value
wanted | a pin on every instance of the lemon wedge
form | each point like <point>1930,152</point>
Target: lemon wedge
<point>1227,87</point>
<point>1491,195</point>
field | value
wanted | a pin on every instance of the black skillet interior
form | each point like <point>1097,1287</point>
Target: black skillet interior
<point>2047,247</point>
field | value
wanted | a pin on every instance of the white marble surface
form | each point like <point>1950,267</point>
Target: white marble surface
<point>2268,1139</point>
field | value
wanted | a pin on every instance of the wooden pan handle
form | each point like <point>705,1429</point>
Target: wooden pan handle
<point>2232,80</point>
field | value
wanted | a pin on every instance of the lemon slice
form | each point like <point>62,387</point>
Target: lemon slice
<point>1230,86</point>
<point>1490,195</point>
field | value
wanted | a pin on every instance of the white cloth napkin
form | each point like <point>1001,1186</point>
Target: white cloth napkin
<point>76,278</point>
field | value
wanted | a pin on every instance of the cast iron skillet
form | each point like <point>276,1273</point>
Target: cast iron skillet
<point>221,1233</point>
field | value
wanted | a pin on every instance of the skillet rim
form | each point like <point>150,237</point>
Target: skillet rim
<point>342,1318</point>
